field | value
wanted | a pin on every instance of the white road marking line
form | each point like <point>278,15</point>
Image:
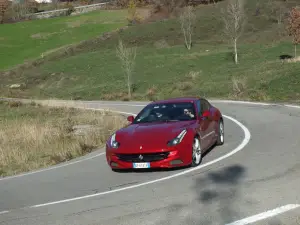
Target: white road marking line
<point>265,215</point>
<point>3,212</point>
<point>126,104</point>
<point>293,106</point>
<point>247,136</point>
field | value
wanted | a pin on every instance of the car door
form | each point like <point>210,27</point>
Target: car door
<point>210,121</point>
<point>203,125</point>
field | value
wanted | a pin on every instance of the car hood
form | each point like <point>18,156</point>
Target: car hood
<point>151,136</point>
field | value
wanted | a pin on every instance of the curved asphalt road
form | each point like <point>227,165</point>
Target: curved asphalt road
<point>264,175</point>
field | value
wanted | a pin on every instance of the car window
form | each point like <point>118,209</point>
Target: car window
<point>177,111</point>
<point>204,105</point>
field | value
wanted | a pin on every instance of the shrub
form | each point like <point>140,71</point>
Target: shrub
<point>4,4</point>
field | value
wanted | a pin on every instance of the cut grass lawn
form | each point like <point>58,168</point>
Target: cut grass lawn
<point>24,41</point>
<point>34,136</point>
<point>164,68</point>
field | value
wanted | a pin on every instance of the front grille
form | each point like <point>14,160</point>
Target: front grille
<point>146,157</point>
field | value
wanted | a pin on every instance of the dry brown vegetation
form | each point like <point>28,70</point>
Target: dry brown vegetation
<point>34,136</point>
<point>3,7</point>
<point>294,27</point>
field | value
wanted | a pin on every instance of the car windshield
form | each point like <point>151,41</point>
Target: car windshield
<point>166,112</point>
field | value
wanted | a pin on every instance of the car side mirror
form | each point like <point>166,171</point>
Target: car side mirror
<point>206,114</point>
<point>130,118</point>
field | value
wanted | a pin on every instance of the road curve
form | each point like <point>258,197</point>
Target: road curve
<point>263,175</point>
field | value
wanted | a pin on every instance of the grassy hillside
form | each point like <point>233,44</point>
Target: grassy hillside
<point>165,68</point>
<point>28,40</point>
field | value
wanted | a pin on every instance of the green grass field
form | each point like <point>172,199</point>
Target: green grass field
<point>165,68</point>
<point>29,40</point>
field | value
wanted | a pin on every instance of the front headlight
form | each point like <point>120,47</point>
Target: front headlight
<point>178,139</point>
<point>113,142</point>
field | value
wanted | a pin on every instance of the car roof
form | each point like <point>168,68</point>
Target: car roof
<point>178,99</point>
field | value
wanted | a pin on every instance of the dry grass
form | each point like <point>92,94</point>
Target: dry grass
<point>192,75</point>
<point>34,136</point>
<point>39,36</point>
<point>239,85</point>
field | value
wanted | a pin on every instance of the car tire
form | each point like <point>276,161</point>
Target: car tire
<point>196,152</point>
<point>220,138</point>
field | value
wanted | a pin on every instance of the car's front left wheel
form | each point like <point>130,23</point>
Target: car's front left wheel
<point>196,152</point>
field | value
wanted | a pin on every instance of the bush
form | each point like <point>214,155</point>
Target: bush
<point>4,4</point>
<point>125,3</point>
<point>19,11</point>
<point>133,16</point>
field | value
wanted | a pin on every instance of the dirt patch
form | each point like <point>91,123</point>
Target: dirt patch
<point>76,23</point>
<point>161,44</point>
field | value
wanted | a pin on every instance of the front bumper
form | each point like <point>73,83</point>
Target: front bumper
<point>177,157</point>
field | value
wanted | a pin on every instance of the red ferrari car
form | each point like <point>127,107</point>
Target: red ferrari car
<point>166,133</point>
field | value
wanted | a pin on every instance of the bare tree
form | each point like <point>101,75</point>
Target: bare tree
<point>127,57</point>
<point>187,19</point>
<point>234,20</point>
<point>278,9</point>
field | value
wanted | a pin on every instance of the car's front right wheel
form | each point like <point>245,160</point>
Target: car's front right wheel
<point>196,152</point>
<point>220,138</point>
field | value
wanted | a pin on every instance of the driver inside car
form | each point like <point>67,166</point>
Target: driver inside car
<point>188,113</point>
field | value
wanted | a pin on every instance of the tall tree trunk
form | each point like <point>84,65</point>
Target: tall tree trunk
<point>129,85</point>
<point>235,51</point>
